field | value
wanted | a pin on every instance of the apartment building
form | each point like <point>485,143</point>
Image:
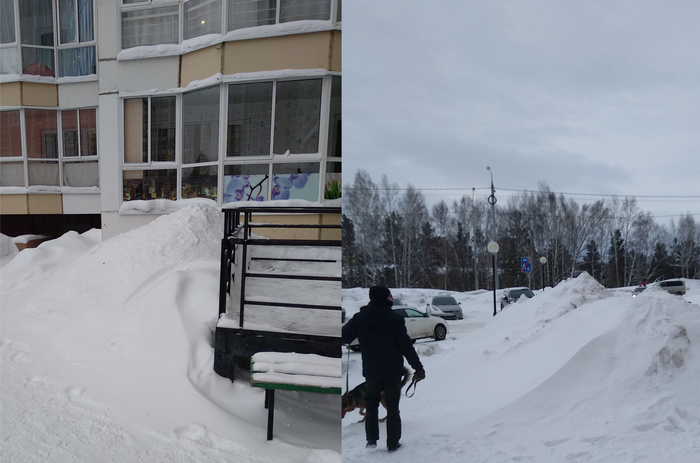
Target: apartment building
<point>115,111</point>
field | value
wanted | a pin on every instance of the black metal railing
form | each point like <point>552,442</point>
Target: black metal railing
<point>238,228</point>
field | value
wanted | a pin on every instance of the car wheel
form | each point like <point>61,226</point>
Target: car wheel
<point>355,348</point>
<point>679,293</point>
<point>440,333</point>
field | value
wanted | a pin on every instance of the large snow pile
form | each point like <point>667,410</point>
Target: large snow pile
<point>107,356</point>
<point>577,373</point>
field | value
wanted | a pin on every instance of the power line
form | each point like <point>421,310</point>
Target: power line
<point>606,195</point>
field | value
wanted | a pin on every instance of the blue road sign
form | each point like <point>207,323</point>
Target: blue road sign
<point>525,265</point>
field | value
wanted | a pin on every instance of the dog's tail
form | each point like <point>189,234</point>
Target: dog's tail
<point>406,377</point>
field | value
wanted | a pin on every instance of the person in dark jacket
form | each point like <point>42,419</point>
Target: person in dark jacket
<point>384,342</point>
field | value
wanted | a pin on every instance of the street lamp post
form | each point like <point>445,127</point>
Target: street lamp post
<point>543,260</point>
<point>492,247</point>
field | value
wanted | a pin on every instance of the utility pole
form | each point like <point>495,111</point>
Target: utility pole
<point>476,260</point>
<point>492,202</point>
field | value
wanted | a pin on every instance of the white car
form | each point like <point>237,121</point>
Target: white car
<point>419,325</point>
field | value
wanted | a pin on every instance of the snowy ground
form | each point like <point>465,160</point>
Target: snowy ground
<point>576,374</point>
<point>106,356</point>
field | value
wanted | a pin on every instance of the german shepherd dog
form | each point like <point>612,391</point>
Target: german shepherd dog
<point>355,398</point>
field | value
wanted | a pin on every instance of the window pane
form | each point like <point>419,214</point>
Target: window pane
<point>136,130</point>
<point>297,112</point>
<point>334,120</point>
<point>77,61</point>
<point>245,183</point>
<point>42,137</point>
<point>86,26</point>
<point>8,61</point>
<point>297,10</point>
<point>69,125</point>
<point>12,174</point>
<point>151,26</point>
<point>202,17</point>
<point>249,119</point>
<point>88,132</point>
<point>250,13</point>
<point>333,189</point>
<point>295,181</point>
<point>43,173</point>
<point>81,174</point>
<point>36,22</point>
<point>201,125</point>
<point>339,16</point>
<point>163,129</point>
<point>66,21</point>
<point>199,182</point>
<point>7,21</point>
<point>38,61</point>
<point>150,184</point>
<point>10,134</point>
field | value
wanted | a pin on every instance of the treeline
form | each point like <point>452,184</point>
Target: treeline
<point>391,237</point>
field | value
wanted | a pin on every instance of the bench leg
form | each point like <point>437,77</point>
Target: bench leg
<point>270,411</point>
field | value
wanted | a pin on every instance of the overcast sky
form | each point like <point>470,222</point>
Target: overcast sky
<point>595,97</point>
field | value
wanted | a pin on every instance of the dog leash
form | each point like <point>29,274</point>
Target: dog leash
<point>413,384</point>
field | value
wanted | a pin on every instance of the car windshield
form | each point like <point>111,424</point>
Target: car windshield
<point>444,301</point>
<point>516,293</point>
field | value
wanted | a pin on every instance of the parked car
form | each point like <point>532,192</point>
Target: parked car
<point>511,295</point>
<point>447,304</point>
<point>672,286</point>
<point>419,325</point>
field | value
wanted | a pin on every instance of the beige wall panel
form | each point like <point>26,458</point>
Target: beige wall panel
<point>78,94</point>
<point>45,204</point>
<point>301,51</point>
<point>337,52</point>
<point>14,204</point>
<point>200,64</point>
<point>304,234</point>
<point>34,94</point>
<point>108,25</point>
<point>11,94</point>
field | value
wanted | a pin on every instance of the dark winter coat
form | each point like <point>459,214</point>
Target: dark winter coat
<point>383,339</point>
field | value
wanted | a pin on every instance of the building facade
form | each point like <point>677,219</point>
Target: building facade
<point>116,111</point>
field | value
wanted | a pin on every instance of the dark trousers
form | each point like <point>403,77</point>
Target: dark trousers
<point>392,394</point>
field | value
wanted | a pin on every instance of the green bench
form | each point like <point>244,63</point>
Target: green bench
<point>293,372</point>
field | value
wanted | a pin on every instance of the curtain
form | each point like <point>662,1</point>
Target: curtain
<point>202,17</point>
<point>297,10</point>
<point>151,26</point>
<point>81,174</point>
<point>43,173</point>
<point>7,21</point>
<point>12,174</point>
<point>250,13</point>
<point>76,61</point>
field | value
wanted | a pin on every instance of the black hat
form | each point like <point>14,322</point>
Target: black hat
<point>379,293</point>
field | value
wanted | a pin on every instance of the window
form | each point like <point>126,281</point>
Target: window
<point>298,10</point>
<point>295,181</point>
<point>202,17</point>
<point>246,182</point>
<point>297,113</point>
<point>201,126</point>
<point>150,26</point>
<point>51,148</point>
<point>251,13</point>
<point>7,21</point>
<point>154,115</point>
<point>249,119</point>
<point>10,134</point>
<point>36,24</point>
<point>149,184</point>
<point>200,114</point>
